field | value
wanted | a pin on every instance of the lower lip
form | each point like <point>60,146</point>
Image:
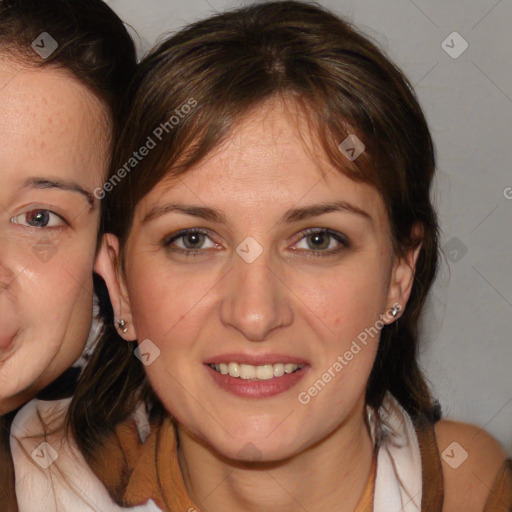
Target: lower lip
<point>257,388</point>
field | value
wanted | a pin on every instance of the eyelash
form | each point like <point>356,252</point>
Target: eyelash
<point>194,253</point>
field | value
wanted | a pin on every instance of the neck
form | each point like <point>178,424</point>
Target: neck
<point>330,475</point>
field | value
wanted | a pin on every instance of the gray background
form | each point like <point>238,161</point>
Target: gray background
<point>467,353</point>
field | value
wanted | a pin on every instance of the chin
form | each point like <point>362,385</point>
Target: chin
<point>254,447</point>
<point>246,451</point>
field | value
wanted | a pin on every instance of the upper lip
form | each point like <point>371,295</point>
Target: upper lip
<point>255,359</point>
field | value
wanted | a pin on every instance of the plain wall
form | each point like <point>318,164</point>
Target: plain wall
<point>467,350</point>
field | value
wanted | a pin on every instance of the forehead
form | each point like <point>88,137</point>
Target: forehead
<point>49,121</point>
<point>272,158</point>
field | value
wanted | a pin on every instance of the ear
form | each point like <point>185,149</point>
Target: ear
<point>107,266</point>
<point>402,275</point>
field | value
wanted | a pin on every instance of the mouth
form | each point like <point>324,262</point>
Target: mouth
<point>256,376</point>
<point>251,372</point>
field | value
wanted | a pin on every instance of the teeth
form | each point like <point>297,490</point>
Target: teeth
<point>289,368</point>
<point>234,369</point>
<point>247,371</point>
<point>278,370</point>
<point>263,372</point>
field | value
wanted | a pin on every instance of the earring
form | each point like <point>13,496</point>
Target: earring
<point>121,325</point>
<point>394,310</point>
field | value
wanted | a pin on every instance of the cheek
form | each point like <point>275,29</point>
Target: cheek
<point>344,310</point>
<point>345,300</point>
<point>67,277</point>
<point>54,293</point>
<point>167,306</point>
<point>50,306</point>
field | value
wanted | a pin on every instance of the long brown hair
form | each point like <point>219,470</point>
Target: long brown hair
<point>222,67</point>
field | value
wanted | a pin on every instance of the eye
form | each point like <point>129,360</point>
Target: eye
<point>39,219</point>
<point>322,240</point>
<point>190,240</point>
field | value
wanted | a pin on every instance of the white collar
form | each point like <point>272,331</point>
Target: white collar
<point>398,482</point>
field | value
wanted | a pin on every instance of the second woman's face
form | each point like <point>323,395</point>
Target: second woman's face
<point>256,289</point>
<point>53,153</point>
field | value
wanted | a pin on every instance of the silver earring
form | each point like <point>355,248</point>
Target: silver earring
<point>394,311</point>
<point>121,325</point>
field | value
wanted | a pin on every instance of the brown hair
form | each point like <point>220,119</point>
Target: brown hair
<point>224,66</point>
<point>93,44</point>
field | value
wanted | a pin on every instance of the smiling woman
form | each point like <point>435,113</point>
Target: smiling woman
<point>63,65</point>
<point>279,242</point>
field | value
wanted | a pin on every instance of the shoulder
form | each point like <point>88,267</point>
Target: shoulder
<point>471,459</point>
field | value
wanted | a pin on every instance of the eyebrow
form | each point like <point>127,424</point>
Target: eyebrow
<point>67,186</point>
<point>315,210</point>
<point>293,215</point>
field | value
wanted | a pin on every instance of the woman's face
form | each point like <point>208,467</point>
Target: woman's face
<point>53,153</point>
<point>281,265</point>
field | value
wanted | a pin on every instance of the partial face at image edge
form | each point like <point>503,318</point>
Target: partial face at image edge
<point>54,152</point>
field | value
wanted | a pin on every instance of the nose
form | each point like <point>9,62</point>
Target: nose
<point>256,299</point>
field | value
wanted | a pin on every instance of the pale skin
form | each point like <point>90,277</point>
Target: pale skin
<point>54,152</point>
<point>312,457</point>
